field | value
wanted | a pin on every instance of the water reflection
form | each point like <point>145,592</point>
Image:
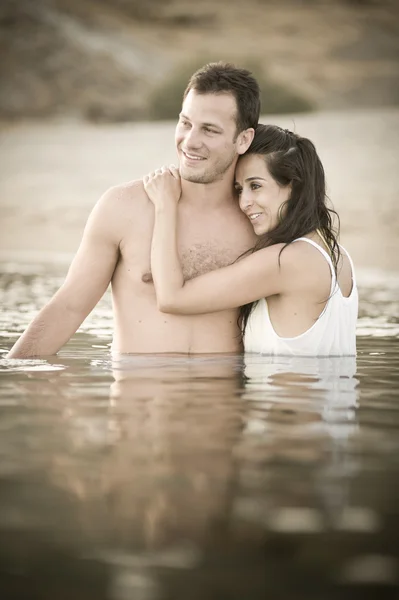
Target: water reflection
<point>303,411</point>
<point>170,477</point>
<point>312,393</point>
<point>144,474</point>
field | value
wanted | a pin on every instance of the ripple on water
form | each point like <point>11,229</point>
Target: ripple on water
<point>24,289</point>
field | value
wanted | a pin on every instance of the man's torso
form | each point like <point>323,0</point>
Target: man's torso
<point>208,239</point>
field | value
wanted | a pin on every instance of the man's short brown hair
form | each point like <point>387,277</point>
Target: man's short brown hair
<point>220,77</point>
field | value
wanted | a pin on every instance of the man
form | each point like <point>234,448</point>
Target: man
<point>219,114</point>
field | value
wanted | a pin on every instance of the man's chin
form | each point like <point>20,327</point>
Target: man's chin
<point>193,177</point>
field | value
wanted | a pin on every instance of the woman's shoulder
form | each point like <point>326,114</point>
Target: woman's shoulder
<point>304,265</point>
<point>294,254</point>
<point>296,260</point>
<point>298,252</point>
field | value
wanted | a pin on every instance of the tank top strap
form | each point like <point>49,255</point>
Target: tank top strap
<point>326,256</point>
<point>351,264</point>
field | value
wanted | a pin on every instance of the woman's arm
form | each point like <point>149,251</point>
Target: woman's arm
<point>254,277</point>
<point>165,261</point>
<point>163,187</point>
<point>249,279</point>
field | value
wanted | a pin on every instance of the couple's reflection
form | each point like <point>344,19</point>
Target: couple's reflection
<point>302,414</point>
<point>304,389</point>
<point>156,449</point>
<point>171,469</point>
<point>151,456</point>
<point>189,427</point>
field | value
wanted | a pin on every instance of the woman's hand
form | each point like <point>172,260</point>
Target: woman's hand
<point>163,186</point>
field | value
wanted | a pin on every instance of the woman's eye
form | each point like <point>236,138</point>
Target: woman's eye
<point>238,191</point>
<point>255,186</point>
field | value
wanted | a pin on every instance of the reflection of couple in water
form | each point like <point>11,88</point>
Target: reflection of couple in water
<point>241,229</point>
<point>187,463</point>
<point>193,432</point>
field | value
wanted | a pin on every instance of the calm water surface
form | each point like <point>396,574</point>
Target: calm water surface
<point>216,477</point>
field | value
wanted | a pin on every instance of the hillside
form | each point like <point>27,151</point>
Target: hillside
<point>105,60</point>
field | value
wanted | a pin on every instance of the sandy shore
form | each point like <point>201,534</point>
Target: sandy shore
<point>52,173</point>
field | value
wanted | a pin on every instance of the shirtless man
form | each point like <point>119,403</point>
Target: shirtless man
<point>219,113</point>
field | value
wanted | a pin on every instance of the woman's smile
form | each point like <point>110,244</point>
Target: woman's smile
<point>260,196</point>
<point>254,216</point>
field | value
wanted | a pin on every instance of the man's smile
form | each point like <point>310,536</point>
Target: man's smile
<point>190,156</point>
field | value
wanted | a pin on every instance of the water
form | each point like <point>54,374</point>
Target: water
<point>215,477</point>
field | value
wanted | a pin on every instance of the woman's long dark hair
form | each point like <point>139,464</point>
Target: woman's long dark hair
<point>293,160</point>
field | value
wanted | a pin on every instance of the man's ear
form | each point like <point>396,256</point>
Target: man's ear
<point>244,140</point>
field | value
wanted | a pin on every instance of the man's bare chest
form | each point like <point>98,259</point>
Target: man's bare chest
<point>201,249</point>
<point>202,256</point>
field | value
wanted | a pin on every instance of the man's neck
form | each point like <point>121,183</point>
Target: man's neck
<point>216,194</point>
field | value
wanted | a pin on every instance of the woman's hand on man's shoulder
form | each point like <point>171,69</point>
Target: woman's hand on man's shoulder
<point>163,186</point>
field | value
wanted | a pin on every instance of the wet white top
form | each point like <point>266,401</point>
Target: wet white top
<point>333,334</point>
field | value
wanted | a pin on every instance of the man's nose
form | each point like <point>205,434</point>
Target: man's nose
<point>193,138</point>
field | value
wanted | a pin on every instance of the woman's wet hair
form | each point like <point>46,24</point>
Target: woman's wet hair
<point>292,160</point>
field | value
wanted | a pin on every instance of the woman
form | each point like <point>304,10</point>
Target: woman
<point>296,288</point>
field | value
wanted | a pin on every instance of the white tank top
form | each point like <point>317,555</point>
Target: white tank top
<point>333,334</point>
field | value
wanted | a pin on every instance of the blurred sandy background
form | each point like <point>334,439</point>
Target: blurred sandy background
<point>89,91</point>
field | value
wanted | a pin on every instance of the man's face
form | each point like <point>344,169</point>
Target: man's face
<point>206,136</point>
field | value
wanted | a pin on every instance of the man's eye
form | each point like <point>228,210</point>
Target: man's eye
<point>208,130</point>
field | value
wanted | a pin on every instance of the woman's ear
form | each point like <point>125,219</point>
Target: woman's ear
<point>244,140</point>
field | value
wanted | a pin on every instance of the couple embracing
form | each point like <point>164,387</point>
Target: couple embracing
<point>233,249</point>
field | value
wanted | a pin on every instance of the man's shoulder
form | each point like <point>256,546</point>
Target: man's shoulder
<point>118,208</point>
<point>126,194</point>
<point>120,204</point>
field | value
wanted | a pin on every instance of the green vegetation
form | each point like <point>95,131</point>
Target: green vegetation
<point>276,98</point>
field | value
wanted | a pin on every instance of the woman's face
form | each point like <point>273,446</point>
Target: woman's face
<point>260,196</point>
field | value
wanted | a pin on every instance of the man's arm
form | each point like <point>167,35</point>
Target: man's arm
<point>87,280</point>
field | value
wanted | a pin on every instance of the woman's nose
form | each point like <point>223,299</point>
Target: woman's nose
<point>245,201</point>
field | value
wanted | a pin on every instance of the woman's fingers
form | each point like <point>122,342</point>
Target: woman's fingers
<point>174,171</point>
<point>160,177</point>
